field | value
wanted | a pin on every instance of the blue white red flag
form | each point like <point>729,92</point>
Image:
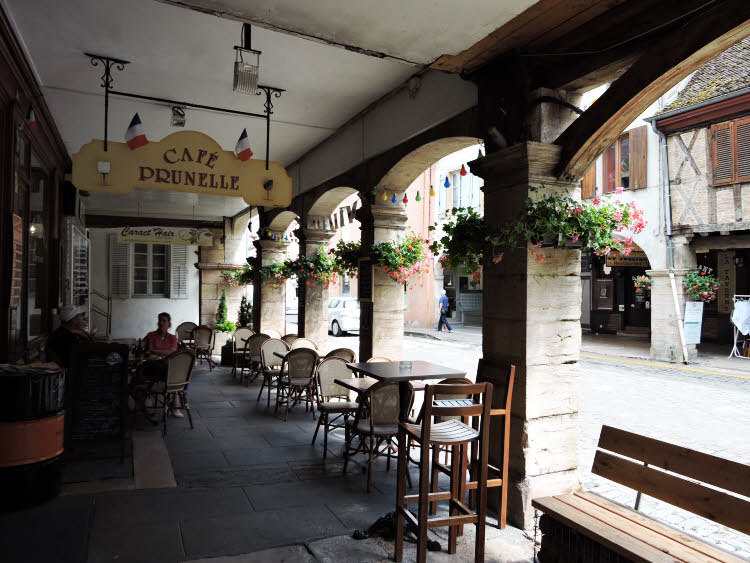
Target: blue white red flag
<point>242,150</point>
<point>31,118</point>
<point>135,136</point>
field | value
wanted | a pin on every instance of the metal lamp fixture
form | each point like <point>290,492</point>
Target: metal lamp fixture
<point>178,117</point>
<point>246,64</point>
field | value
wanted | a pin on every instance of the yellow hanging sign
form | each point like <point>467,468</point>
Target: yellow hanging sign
<point>186,161</point>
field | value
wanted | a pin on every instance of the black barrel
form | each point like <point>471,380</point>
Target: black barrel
<point>31,434</point>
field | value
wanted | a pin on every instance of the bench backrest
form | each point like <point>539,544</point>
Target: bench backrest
<point>669,473</point>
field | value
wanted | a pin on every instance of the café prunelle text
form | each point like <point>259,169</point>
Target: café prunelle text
<point>186,178</point>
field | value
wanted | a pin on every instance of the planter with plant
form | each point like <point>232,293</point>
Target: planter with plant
<point>240,277</point>
<point>245,313</point>
<point>346,257</point>
<point>556,221</point>
<point>642,283</point>
<point>224,326</point>
<point>320,268</point>
<point>699,285</point>
<point>407,256</point>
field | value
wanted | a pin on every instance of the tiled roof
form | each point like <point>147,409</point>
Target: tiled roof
<point>728,72</point>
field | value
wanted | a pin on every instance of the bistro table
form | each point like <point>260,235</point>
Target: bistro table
<point>403,373</point>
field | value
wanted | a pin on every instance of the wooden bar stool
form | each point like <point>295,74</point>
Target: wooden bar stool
<point>458,435</point>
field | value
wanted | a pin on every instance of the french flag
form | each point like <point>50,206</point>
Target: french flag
<point>135,136</point>
<point>31,118</point>
<point>242,150</point>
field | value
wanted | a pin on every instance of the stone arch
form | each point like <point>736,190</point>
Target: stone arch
<point>280,222</point>
<point>409,167</point>
<point>322,212</point>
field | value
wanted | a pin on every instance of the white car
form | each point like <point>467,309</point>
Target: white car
<point>343,315</point>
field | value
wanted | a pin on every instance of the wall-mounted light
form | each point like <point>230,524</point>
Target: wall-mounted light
<point>103,167</point>
<point>246,64</point>
<point>739,261</point>
<point>178,117</point>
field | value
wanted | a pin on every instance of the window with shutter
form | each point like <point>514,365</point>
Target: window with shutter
<point>743,149</point>
<point>119,268</point>
<point>588,183</point>
<point>610,169</point>
<point>179,272</point>
<point>723,153</point>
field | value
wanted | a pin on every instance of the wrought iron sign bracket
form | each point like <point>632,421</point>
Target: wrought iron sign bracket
<point>107,63</point>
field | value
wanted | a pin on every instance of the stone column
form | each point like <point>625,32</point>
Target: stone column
<point>382,321</point>
<point>272,296</point>
<point>313,297</point>
<point>532,319</point>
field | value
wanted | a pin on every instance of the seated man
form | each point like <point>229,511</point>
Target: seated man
<point>69,333</point>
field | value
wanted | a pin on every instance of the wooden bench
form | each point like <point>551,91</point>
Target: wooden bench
<point>587,527</point>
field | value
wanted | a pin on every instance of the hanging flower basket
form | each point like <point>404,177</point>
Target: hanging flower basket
<point>699,285</point>
<point>404,258</point>
<point>642,283</point>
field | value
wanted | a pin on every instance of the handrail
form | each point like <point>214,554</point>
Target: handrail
<point>108,314</point>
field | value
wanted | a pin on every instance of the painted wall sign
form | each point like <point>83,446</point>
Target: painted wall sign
<point>166,235</point>
<point>637,258</point>
<point>693,321</point>
<point>726,271</point>
<point>186,161</point>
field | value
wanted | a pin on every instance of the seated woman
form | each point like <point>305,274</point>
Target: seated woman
<point>159,344</point>
<point>69,333</point>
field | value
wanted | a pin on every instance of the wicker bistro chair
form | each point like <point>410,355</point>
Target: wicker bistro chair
<point>374,425</point>
<point>297,380</point>
<point>304,343</point>
<point>250,359</point>
<point>203,343</point>
<point>334,406</point>
<point>289,338</point>
<point>179,369</point>
<point>271,363</point>
<point>184,331</point>
<point>272,332</point>
<point>458,435</point>
<point>344,353</point>
<point>238,345</point>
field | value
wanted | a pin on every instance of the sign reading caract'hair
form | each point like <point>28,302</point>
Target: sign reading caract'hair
<point>186,161</point>
<point>166,235</point>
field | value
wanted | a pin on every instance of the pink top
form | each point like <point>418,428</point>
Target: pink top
<point>155,341</point>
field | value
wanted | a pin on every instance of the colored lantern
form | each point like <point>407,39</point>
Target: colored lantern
<point>480,155</point>
<point>406,199</point>
<point>385,196</point>
<point>463,170</point>
<point>394,199</point>
<point>419,197</point>
<point>374,192</point>
<point>432,191</point>
<point>447,184</point>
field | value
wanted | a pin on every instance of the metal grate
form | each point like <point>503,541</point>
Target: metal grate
<point>246,70</point>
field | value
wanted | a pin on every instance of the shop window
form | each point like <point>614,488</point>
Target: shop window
<point>625,161</point>
<point>37,251</point>
<point>730,151</point>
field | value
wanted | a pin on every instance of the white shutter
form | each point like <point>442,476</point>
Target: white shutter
<point>178,278</point>
<point>119,268</point>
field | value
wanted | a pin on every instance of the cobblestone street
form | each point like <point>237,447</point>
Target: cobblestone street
<point>703,411</point>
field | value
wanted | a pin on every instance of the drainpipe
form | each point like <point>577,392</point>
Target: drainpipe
<point>668,234</point>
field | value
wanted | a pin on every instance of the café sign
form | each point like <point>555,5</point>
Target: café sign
<point>186,161</point>
<point>166,235</point>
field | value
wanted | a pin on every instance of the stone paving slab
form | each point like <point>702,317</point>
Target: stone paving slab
<point>288,554</point>
<point>155,542</point>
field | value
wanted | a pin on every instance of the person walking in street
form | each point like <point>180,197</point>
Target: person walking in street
<point>443,305</point>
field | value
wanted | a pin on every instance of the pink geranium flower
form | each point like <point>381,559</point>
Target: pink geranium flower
<point>597,200</point>
<point>619,190</point>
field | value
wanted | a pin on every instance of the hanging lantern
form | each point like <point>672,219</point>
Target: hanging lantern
<point>385,197</point>
<point>419,197</point>
<point>374,192</point>
<point>480,155</point>
<point>432,191</point>
<point>463,170</point>
<point>394,199</point>
<point>405,200</point>
<point>447,184</point>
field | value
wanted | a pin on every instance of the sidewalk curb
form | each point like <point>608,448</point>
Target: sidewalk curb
<point>423,335</point>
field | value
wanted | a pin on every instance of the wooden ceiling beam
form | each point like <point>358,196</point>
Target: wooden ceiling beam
<point>672,57</point>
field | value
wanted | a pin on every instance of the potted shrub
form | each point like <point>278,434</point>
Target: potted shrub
<point>222,327</point>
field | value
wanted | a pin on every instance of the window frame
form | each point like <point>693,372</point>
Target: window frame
<point>150,271</point>
<point>616,160</point>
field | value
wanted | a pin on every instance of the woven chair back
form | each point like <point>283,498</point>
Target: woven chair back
<point>302,363</point>
<point>289,338</point>
<point>329,370</point>
<point>272,332</point>
<point>344,353</point>
<point>239,337</point>
<point>385,405</point>
<point>304,343</point>
<point>179,368</point>
<point>184,330</point>
<point>253,344</point>
<point>377,359</point>
<point>268,350</point>
<point>203,336</point>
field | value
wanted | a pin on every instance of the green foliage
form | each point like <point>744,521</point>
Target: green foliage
<point>221,311</point>
<point>407,256</point>
<point>245,314</point>
<point>463,242</point>
<point>320,268</point>
<point>346,257</point>
<point>227,326</point>
<point>237,278</point>
<point>699,285</point>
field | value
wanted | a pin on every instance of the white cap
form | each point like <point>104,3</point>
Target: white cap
<point>68,312</point>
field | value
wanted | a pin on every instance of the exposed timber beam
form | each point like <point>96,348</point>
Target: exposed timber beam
<point>675,55</point>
